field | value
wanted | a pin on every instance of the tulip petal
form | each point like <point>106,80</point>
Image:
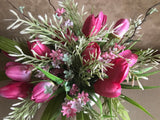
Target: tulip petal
<point>131,56</point>
<point>107,88</point>
<point>119,70</point>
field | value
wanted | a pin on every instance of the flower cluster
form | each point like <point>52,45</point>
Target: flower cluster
<point>71,107</point>
<point>72,64</point>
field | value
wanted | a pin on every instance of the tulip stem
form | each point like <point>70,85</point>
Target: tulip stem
<point>52,5</point>
<point>148,12</point>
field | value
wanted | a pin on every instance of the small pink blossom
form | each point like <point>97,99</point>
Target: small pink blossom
<point>118,47</point>
<point>84,97</point>
<point>68,110</point>
<point>59,12</point>
<point>57,57</point>
<point>76,104</point>
<point>73,90</point>
<point>109,55</point>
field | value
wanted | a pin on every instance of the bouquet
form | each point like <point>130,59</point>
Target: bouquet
<point>74,64</point>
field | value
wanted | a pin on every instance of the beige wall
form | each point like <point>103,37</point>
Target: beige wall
<point>114,9</point>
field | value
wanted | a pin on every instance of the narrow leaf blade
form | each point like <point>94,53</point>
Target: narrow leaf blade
<point>51,76</point>
<point>135,104</point>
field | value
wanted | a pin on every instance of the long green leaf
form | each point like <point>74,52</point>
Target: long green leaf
<point>8,45</point>
<point>53,109</point>
<point>3,76</point>
<point>148,74</point>
<point>51,76</point>
<point>82,116</point>
<point>141,71</point>
<point>135,104</point>
<point>137,87</point>
<point>120,109</point>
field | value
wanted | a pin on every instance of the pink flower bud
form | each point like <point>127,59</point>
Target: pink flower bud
<point>93,24</point>
<point>59,12</point>
<point>92,49</point>
<point>18,71</point>
<point>38,48</point>
<point>121,27</point>
<point>130,56</point>
<point>42,91</point>
<point>15,90</point>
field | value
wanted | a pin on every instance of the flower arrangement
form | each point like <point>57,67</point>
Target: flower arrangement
<point>74,64</point>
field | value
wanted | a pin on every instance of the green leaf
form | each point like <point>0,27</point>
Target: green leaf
<point>82,116</point>
<point>53,109</point>
<point>98,103</point>
<point>63,117</point>
<point>148,74</point>
<point>51,76</point>
<point>3,76</point>
<point>143,70</point>
<point>135,104</point>
<point>120,109</point>
<point>8,45</point>
<point>137,87</point>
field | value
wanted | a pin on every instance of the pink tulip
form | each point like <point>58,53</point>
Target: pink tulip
<point>130,56</point>
<point>38,48</point>
<point>92,49</point>
<point>121,27</point>
<point>18,71</point>
<point>15,90</point>
<point>42,92</point>
<point>107,88</point>
<point>116,75</point>
<point>119,71</point>
<point>93,24</point>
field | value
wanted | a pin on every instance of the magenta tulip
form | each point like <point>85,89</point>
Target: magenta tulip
<point>92,49</point>
<point>38,48</point>
<point>119,71</point>
<point>42,91</point>
<point>18,71</point>
<point>130,56</point>
<point>93,24</point>
<point>15,90</point>
<point>107,88</point>
<point>121,27</point>
<point>111,87</point>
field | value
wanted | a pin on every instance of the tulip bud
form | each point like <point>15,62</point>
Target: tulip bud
<point>18,71</point>
<point>42,91</point>
<point>38,48</point>
<point>92,49</point>
<point>15,90</point>
<point>121,27</point>
<point>93,24</point>
<point>130,56</point>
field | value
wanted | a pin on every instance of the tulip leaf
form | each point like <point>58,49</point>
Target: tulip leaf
<point>82,116</point>
<point>143,70</point>
<point>8,45</point>
<point>53,109</point>
<point>120,109</point>
<point>135,104</point>
<point>3,76</point>
<point>148,74</point>
<point>124,86</point>
<point>51,76</point>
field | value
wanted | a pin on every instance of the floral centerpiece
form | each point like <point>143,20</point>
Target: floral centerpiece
<point>72,64</point>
